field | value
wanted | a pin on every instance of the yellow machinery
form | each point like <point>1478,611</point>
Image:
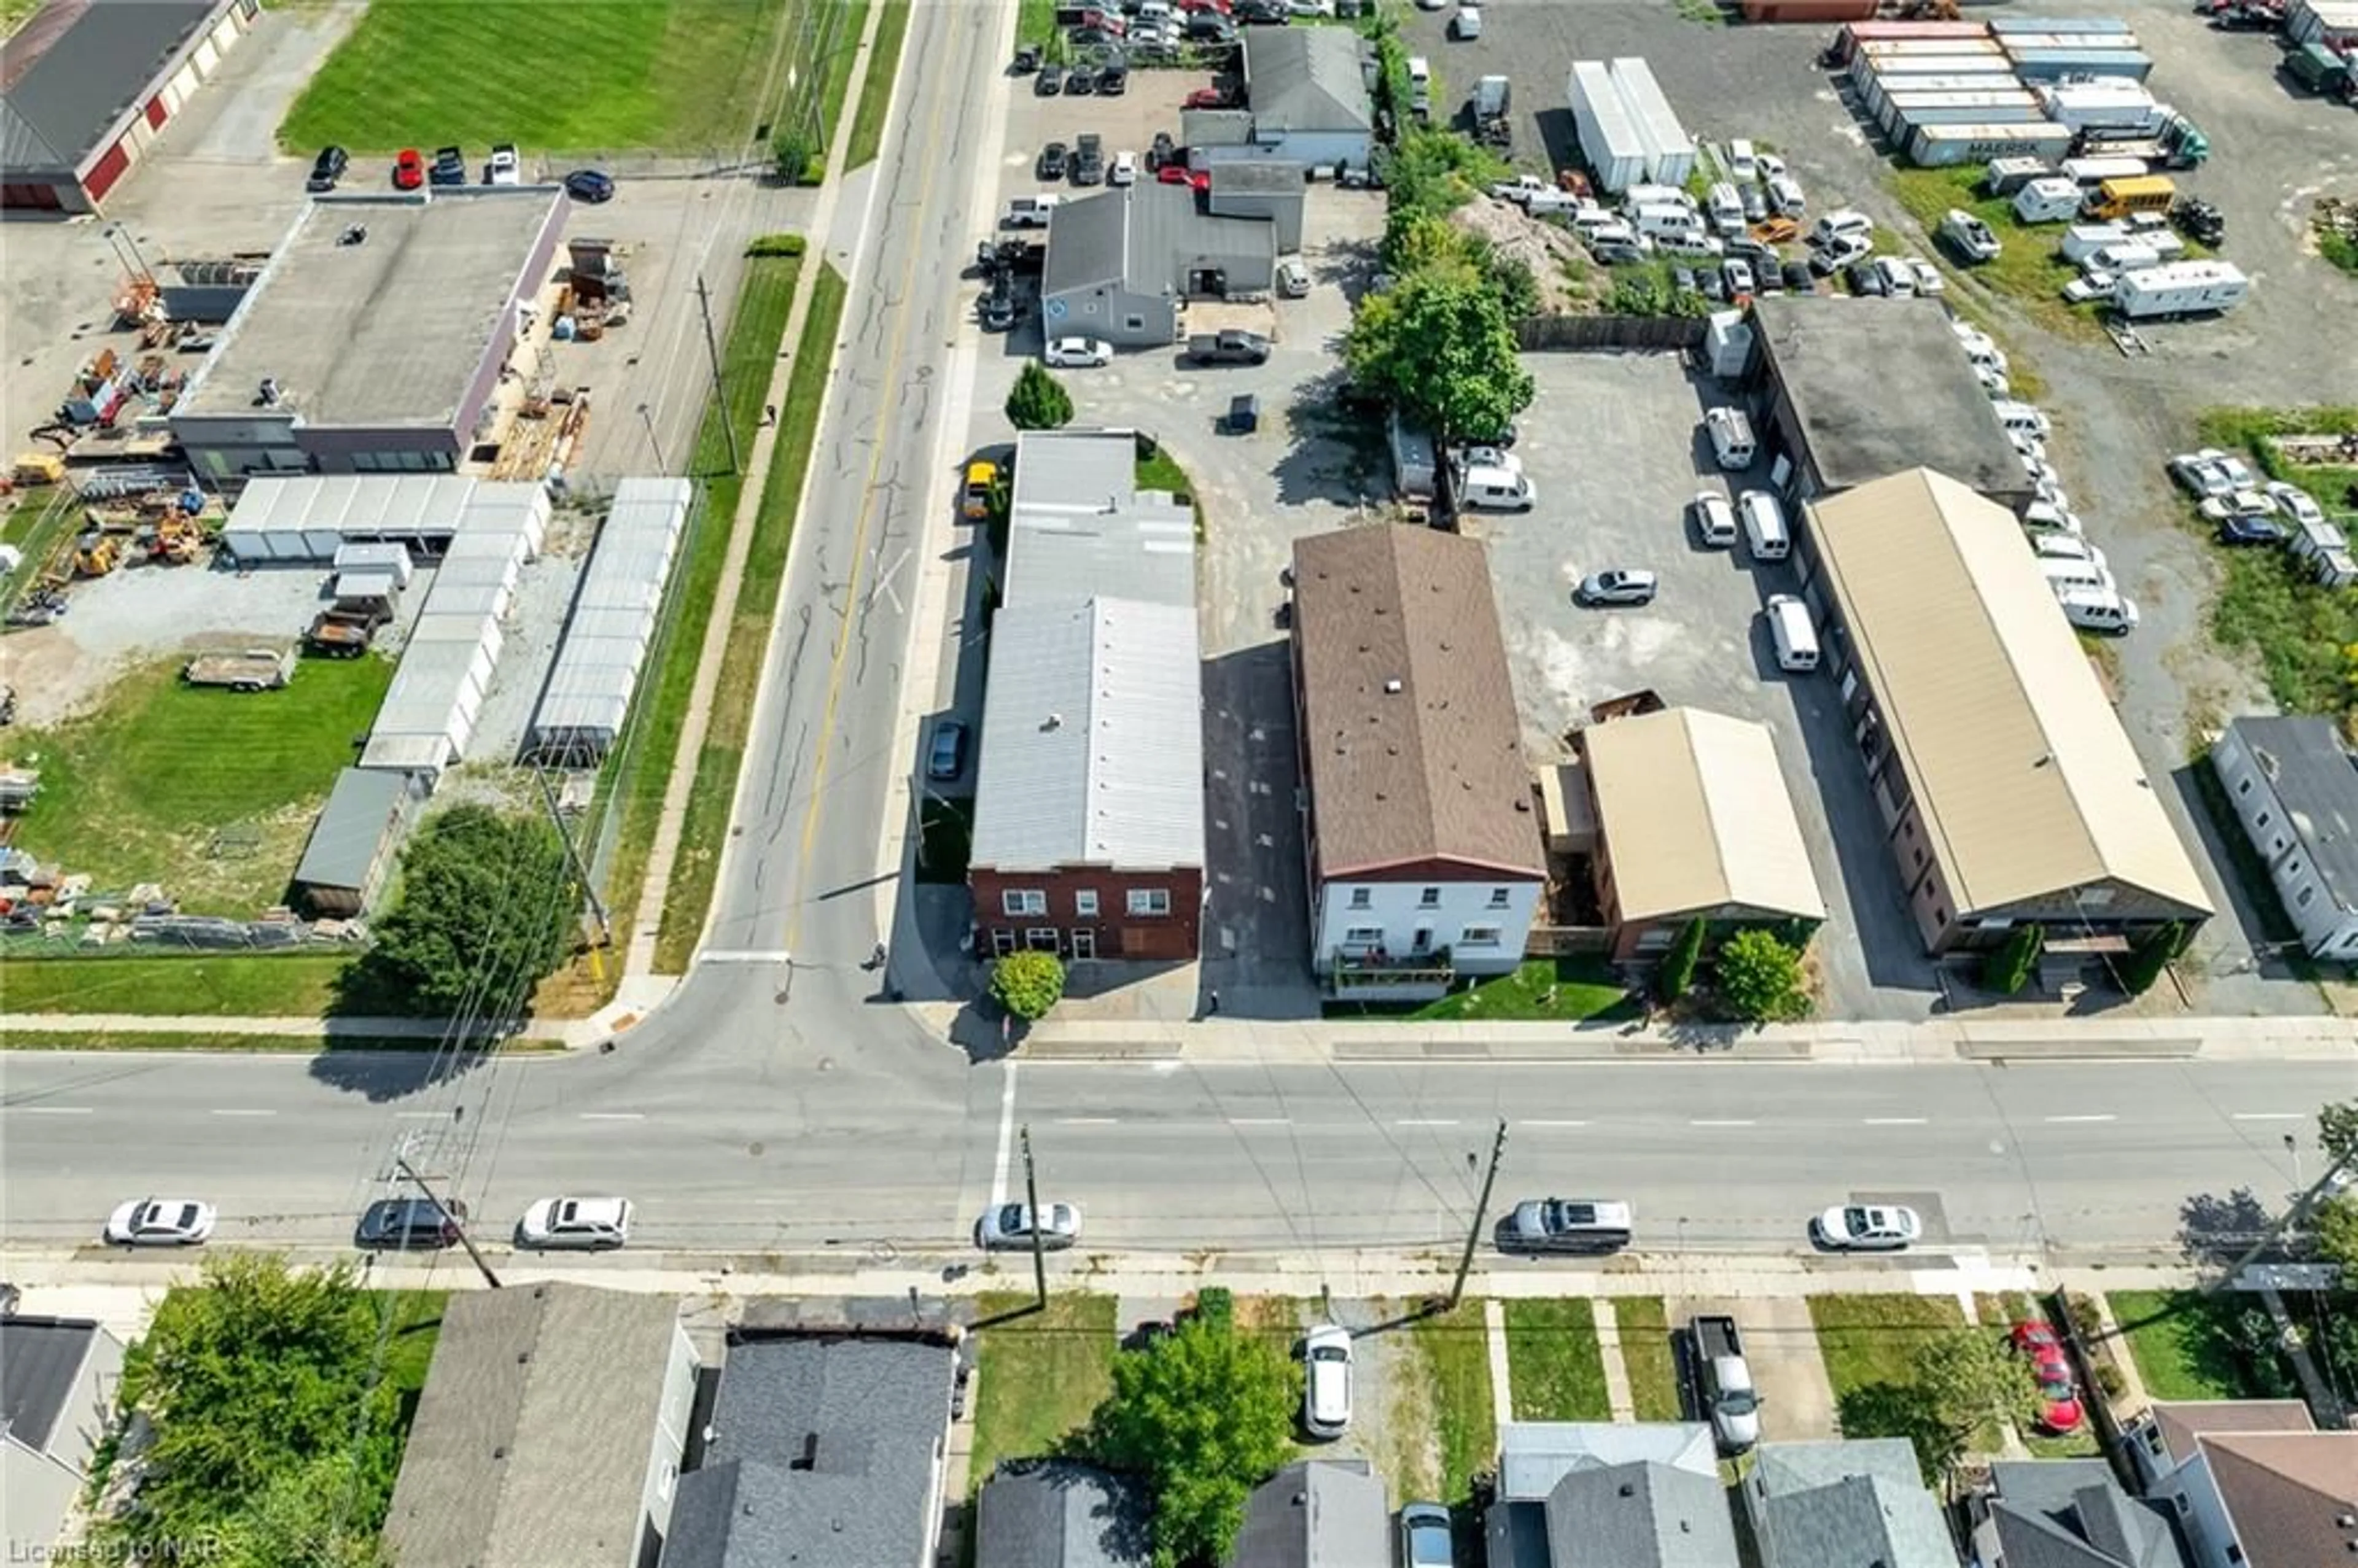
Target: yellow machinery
<point>95,554</point>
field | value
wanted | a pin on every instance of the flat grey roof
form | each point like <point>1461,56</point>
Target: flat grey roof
<point>41,1358</point>
<point>387,333</point>
<point>352,829</point>
<point>2318,783</point>
<point>1880,386</point>
<point>1080,528</point>
<point>71,71</point>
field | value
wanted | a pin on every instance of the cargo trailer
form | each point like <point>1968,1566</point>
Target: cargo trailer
<point>1946,147</point>
<point>2054,65</point>
<point>2122,108</point>
<point>1875,94</point>
<point>1608,137</point>
<point>1670,151</point>
<point>2180,288</point>
<point>2006,25</point>
<point>2093,171</point>
<point>1906,111</point>
<point>2081,241</point>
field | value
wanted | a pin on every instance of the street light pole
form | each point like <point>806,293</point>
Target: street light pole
<point>654,442</point>
<point>1039,1241</point>
<point>720,388</point>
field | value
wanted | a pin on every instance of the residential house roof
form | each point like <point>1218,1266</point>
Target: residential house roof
<point>2072,1513</point>
<point>1316,1513</point>
<point>2290,1494</point>
<point>1644,1515</point>
<point>1306,78</point>
<point>1407,714</point>
<point>40,1360</point>
<point>1696,816</point>
<point>2026,782</point>
<point>349,836</point>
<point>1856,1503</point>
<point>834,1444</point>
<point>1820,348</point>
<point>2317,780</point>
<point>76,66</point>
<point>1533,1455</point>
<point>1079,527</point>
<point>1092,739</point>
<point>1059,1514</point>
<point>1143,238</point>
<point>534,1431</point>
<point>2180,1422</point>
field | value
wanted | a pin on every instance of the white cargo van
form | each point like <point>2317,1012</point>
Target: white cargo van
<point>1664,220</point>
<point>1790,629</point>
<point>2065,575</point>
<point>1715,520</point>
<point>1656,196</point>
<point>1841,223</point>
<point>2099,612</point>
<point>2022,417</point>
<point>1764,525</point>
<point>2054,545</point>
<point>1420,85</point>
<point>1726,209</point>
<point>2044,517</point>
<point>1730,438</point>
<point>1485,489</point>
<point>1560,204</point>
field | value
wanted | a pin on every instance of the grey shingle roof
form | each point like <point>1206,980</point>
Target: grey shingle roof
<point>2072,1513</point>
<point>1318,1513</point>
<point>535,1431</point>
<point>1533,1455</point>
<point>41,1358</point>
<point>2313,775</point>
<point>1639,1516</point>
<point>1088,243</point>
<point>1057,1514</point>
<point>1855,1504</point>
<point>68,74</point>
<point>1144,237</point>
<point>823,1453</point>
<point>1306,78</point>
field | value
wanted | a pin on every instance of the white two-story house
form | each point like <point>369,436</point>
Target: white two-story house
<point>1422,839</point>
<point>2295,790</point>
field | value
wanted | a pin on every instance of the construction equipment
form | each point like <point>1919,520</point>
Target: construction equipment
<point>252,669</point>
<point>18,788</point>
<point>344,633</point>
<point>175,539</point>
<point>38,468</point>
<point>95,554</point>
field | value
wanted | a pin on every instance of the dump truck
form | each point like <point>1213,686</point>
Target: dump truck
<point>344,633</point>
<point>1723,1382</point>
<point>251,669</point>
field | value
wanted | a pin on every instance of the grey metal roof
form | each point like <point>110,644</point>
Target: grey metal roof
<point>833,1444</point>
<point>40,1359</point>
<point>1080,528</point>
<point>2072,1513</point>
<point>1640,1516</point>
<point>390,506</point>
<point>72,70</point>
<point>1316,1513</point>
<point>1859,1503</point>
<point>353,829</point>
<point>598,661</point>
<point>1092,747</point>
<point>2318,783</point>
<point>1145,238</point>
<point>1306,78</point>
<point>536,1431</point>
<point>1839,360</point>
<point>1533,1455</point>
<point>1259,176</point>
<point>388,333</point>
<point>1058,1514</point>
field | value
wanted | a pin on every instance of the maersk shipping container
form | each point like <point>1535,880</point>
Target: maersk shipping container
<point>2053,65</point>
<point>2004,26</point>
<point>1875,92</point>
<point>1670,151</point>
<point>1608,137</point>
<point>1946,147</point>
<point>1908,110</point>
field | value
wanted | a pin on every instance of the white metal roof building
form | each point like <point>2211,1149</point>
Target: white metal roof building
<point>310,519</point>
<point>598,665</point>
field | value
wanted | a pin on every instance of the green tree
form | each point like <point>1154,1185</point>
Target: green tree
<point>486,910</point>
<point>1761,978</point>
<point>2008,970</point>
<point>1038,401</point>
<point>2151,953</point>
<point>1028,984</point>
<point>2334,1226</point>
<point>792,151</point>
<point>1440,345</point>
<point>1964,1378</point>
<point>2337,1130</point>
<point>1678,968</point>
<point>1203,1415</point>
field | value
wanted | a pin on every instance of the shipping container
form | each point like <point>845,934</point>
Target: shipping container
<point>1908,49</point>
<point>1904,111</point>
<point>1858,34</point>
<point>1900,68</point>
<point>2006,25</point>
<point>2330,22</point>
<point>2018,43</point>
<point>1608,137</point>
<point>1808,10</point>
<point>1876,92</point>
<point>2053,65</point>
<point>1670,151</point>
<point>1946,146</point>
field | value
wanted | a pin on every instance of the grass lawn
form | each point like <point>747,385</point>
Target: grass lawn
<point>1869,1343</point>
<point>409,1349</point>
<point>215,985</point>
<point>946,824</point>
<point>1562,989</point>
<point>665,75</point>
<point>1035,21</point>
<point>706,828</point>
<point>147,787</point>
<point>37,532</point>
<point>1649,1357</point>
<point>876,94</point>
<point>2031,270</point>
<point>1554,1366</point>
<point>1455,1349</point>
<point>2173,1335</point>
<point>251,1044</point>
<point>1039,1377</point>
<point>1161,471</point>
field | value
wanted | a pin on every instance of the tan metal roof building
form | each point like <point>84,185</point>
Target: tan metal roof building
<point>1411,746</point>
<point>2011,759</point>
<point>1697,818</point>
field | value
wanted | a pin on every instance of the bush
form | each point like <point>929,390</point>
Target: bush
<point>2008,970</point>
<point>1217,1304</point>
<point>794,151</point>
<point>1760,978</point>
<point>1038,401</point>
<point>1028,984</point>
<point>1678,970</point>
<point>777,245</point>
<point>2152,952</point>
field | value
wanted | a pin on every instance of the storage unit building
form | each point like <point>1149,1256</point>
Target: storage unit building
<point>315,520</point>
<point>353,842</point>
<point>1670,151</point>
<point>1608,136</point>
<point>2294,788</point>
<point>86,88</point>
<point>588,698</point>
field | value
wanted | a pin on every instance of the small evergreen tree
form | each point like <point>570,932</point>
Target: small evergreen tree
<point>2152,952</point>
<point>2008,970</point>
<point>1038,401</point>
<point>1679,967</point>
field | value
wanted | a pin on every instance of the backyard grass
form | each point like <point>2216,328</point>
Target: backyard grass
<point>2173,1336</point>
<point>208,792</point>
<point>1455,1349</point>
<point>1545,990</point>
<point>1649,1357</point>
<point>876,94</point>
<point>1039,1377</point>
<point>706,828</point>
<point>409,1347</point>
<point>1554,1369</point>
<point>215,986</point>
<point>661,75</point>
<point>945,825</point>
<point>1161,471</point>
<point>2031,270</point>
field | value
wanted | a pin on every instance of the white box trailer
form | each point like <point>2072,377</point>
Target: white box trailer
<point>1946,146</point>
<point>1906,111</point>
<point>1608,137</point>
<point>1670,151</point>
<point>2089,171</point>
<point>1878,91</point>
<point>2122,109</point>
<point>2180,288</point>
<point>2081,241</point>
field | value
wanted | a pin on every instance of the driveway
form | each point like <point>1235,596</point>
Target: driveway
<point>1780,1346</point>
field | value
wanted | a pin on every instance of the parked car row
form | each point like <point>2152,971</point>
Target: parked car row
<point>2247,510</point>
<point>557,1223</point>
<point>411,172</point>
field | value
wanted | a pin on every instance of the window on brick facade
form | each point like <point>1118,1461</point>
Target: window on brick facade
<point>1150,901</point>
<point>1086,901</point>
<point>1023,900</point>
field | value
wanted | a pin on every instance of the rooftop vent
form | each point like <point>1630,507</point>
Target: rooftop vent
<point>1392,686</point>
<point>1628,1490</point>
<point>808,1458</point>
<point>1056,721</point>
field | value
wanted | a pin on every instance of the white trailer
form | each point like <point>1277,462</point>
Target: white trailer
<point>1670,151</point>
<point>2115,107</point>
<point>1608,137</point>
<point>2096,170</point>
<point>2180,288</point>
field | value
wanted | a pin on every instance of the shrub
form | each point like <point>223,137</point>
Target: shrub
<point>1217,1304</point>
<point>2151,954</point>
<point>1028,984</point>
<point>777,245</point>
<point>1761,978</point>
<point>1038,401</point>
<point>1679,967</point>
<point>794,150</point>
<point>2008,970</point>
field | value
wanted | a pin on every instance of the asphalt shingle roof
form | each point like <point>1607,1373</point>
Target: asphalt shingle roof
<point>1306,78</point>
<point>1639,1516</point>
<point>41,1358</point>
<point>1318,1513</point>
<point>2072,1513</point>
<point>1057,1514</point>
<point>69,73</point>
<point>1858,1503</point>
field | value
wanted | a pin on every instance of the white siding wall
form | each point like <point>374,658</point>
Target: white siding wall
<point>2327,930</point>
<point>670,1439</point>
<point>1354,917</point>
<point>1313,146</point>
<point>2203,1515</point>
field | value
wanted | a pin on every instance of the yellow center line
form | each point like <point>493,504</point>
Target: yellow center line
<point>891,389</point>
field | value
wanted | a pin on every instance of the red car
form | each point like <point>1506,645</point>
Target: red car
<point>408,170</point>
<point>2060,1396</point>
<point>1180,173</point>
<point>1207,98</point>
<point>1222,7</point>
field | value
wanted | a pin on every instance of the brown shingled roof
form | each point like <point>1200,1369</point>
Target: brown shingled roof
<point>2289,1493</point>
<point>1408,716</point>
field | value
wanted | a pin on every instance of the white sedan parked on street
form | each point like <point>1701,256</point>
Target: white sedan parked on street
<point>586,1225</point>
<point>1067,353</point>
<point>1867,1228</point>
<point>161,1222</point>
<point>1008,1228</point>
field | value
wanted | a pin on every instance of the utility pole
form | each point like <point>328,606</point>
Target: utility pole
<point>573,857</point>
<point>1032,1203</point>
<point>712,353</point>
<point>1481,1208</point>
<point>401,1162</point>
<point>2292,1217</point>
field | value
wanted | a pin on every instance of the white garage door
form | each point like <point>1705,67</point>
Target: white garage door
<point>181,88</point>
<point>226,35</point>
<point>206,57</point>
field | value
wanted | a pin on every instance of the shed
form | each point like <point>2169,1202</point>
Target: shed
<point>366,588</point>
<point>352,842</point>
<point>388,556</point>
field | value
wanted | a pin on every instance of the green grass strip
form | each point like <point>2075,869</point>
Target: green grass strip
<point>876,93</point>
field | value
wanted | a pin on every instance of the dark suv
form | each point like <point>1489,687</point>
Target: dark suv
<point>409,1223</point>
<point>327,168</point>
<point>450,167</point>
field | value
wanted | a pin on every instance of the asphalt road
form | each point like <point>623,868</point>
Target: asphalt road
<point>725,1156</point>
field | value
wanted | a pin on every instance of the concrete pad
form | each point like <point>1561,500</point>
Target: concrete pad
<point>1781,1344</point>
